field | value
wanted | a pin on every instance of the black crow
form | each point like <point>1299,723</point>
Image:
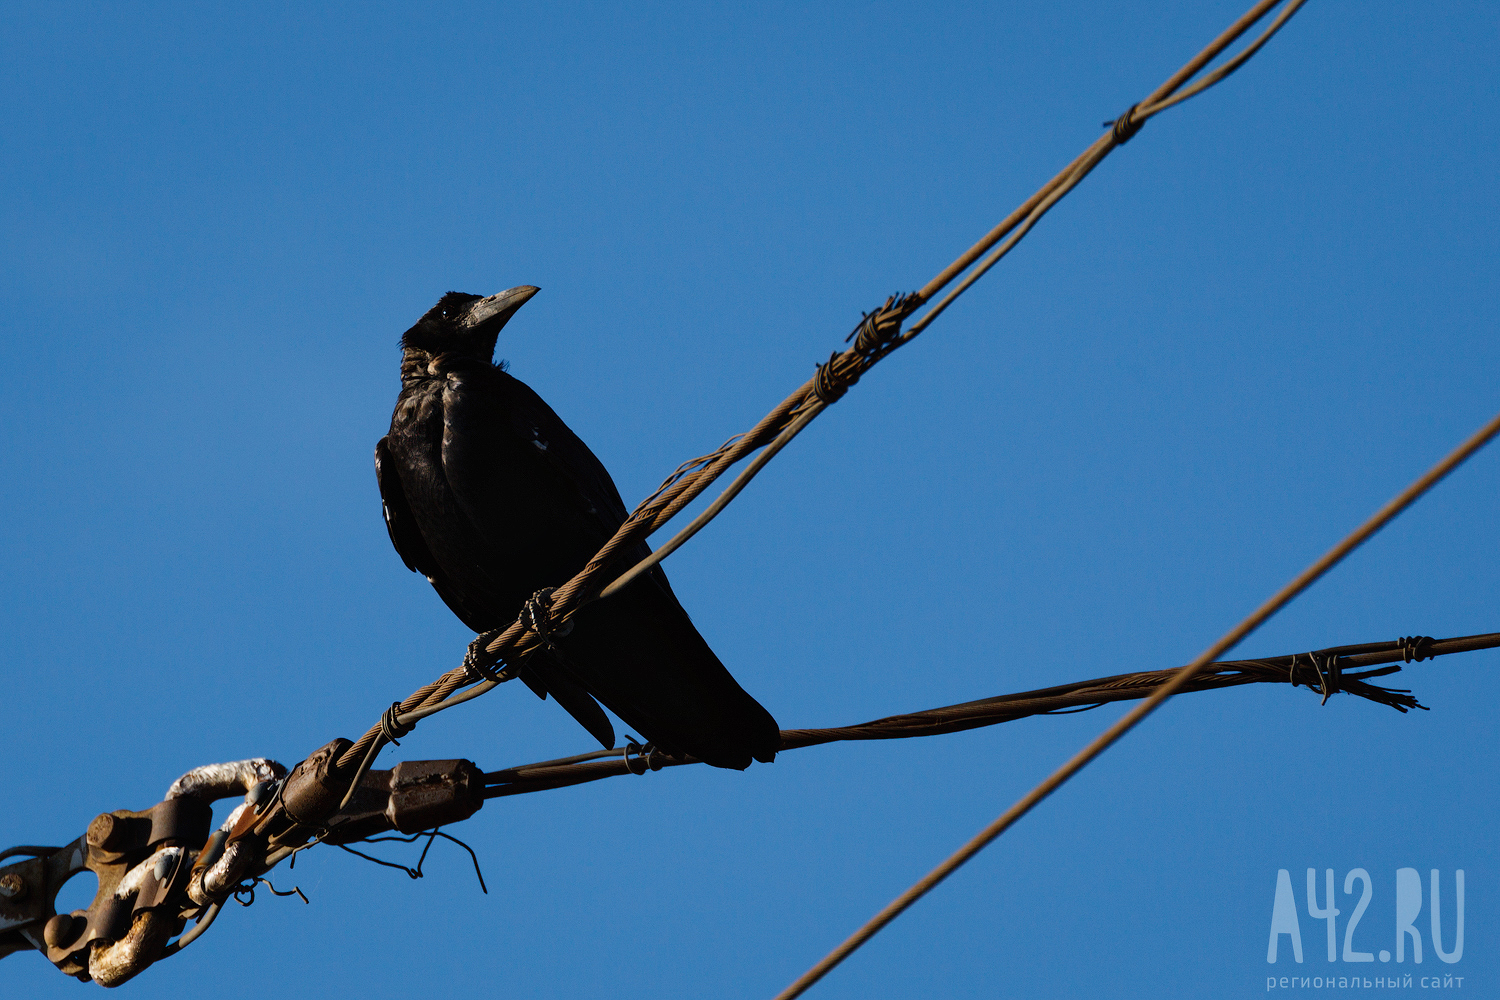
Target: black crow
<point>491,497</point>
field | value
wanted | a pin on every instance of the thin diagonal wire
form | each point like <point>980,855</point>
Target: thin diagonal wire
<point>691,478</point>
<point>1279,600</point>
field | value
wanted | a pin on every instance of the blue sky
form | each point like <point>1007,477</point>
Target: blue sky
<point>1240,336</point>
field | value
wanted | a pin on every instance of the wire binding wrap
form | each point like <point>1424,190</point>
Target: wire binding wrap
<point>1327,665</point>
<point>1415,647</point>
<point>879,332</point>
<point>639,759</point>
<point>1124,127</point>
<point>480,671</point>
<point>632,756</point>
<point>1330,673</point>
<point>1291,670</point>
<point>391,726</point>
<point>828,387</point>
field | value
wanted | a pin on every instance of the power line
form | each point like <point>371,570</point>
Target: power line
<point>1325,672</point>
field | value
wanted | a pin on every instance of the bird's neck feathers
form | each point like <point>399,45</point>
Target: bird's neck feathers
<point>419,363</point>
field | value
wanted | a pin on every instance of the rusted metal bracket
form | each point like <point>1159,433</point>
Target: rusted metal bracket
<point>132,908</point>
<point>160,867</point>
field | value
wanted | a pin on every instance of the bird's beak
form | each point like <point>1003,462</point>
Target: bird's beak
<point>498,309</point>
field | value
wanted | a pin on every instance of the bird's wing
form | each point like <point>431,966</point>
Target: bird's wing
<point>411,546</point>
<point>405,534</point>
<point>534,422</point>
<point>516,470</point>
<point>568,457</point>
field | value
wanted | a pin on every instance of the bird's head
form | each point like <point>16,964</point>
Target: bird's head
<point>465,326</point>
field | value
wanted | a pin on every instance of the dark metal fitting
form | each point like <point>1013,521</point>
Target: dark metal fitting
<point>144,863</point>
<point>415,796</point>
<point>430,793</point>
<point>186,820</point>
<point>167,884</point>
<point>109,832</point>
<point>109,919</point>
<point>315,787</point>
<point>122,833</point>
<point>115,847</point>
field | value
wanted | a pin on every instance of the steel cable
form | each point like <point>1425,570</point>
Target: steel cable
<point>1368,659</point>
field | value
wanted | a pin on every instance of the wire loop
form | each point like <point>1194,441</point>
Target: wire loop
<point>1330,673</point>
<point>1415,647</point>
<point>416,872</point>
<point>391,726</point>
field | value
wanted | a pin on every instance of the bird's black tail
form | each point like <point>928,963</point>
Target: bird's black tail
<point>639,654</point>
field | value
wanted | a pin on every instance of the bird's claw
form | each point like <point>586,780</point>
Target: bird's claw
<point>477,661</point>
